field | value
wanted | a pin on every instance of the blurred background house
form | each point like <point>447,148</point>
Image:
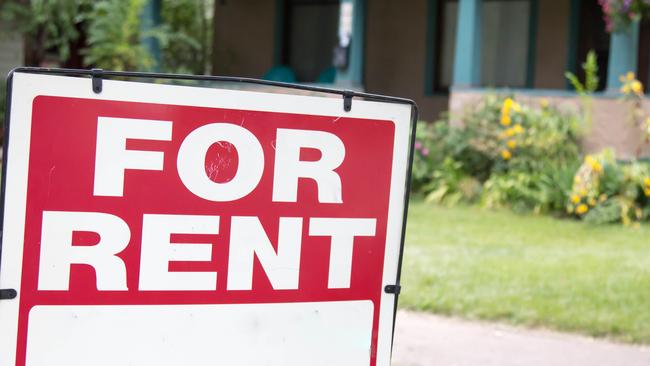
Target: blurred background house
<point>444,54</point>
<point>512,216</point>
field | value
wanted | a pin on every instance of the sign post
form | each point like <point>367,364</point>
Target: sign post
<point>149,224</point>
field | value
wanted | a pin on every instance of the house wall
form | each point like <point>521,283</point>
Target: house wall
<point>395,49</point>
<point>396,53</point>
<point>244,37</point>
<point>11,50</point>
<point>396,46</point>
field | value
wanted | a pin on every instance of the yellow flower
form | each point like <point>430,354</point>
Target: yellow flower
<point>592,202</point>
<point>646,191</point>
<point>518,129</point>
<point>575,199</point>
<point>506,154</point>
<point>647,181</point>
<point>637,87</point>
<point>511,144</point>
<point>543,102</point>
<point>625,89</point>
<point>582,209</point>
<point>507,104</point>
<point>510,132</point>
<point>583,192</point>
<point>577,179</point>
<point>505,120</point>
<point>602,198</point>
<point>516,107</point>
<point>597,167</point>
<point>594,164</point>
<point>630,76</point>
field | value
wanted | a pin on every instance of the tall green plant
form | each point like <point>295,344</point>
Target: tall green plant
<point>585,90</point>
<point>114,37</point>
<point>590,67</point>
<point>189,29</point>
<point>49,25</point>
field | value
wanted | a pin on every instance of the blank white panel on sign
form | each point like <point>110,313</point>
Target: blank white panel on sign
<point>233,335</point>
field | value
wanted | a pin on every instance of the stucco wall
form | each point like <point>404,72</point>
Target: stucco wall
<point>11,50</point>
<point>244,37</point>
<point>610,127</point>
<point>552,44</point>
<point>396,53</point>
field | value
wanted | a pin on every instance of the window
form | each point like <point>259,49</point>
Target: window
<point>505,31</point>
<point>311,34</point>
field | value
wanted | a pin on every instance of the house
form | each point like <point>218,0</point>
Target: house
<point>444,54</point>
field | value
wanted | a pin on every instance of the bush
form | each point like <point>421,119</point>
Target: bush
<point>114,39</point>
<point>505,154</point>
<point>51,26</point>
<point>527,159</point>
<point>538,153</point>
<point>108,33</point>
<point>188,33</point>
<point>445,166</point>
<point>607,191</point>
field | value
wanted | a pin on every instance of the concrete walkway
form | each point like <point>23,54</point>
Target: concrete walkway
<point>429,340</point>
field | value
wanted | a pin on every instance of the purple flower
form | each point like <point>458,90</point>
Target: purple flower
<point>627,4</point>
<point>418,145</point>
<point>425,152</point>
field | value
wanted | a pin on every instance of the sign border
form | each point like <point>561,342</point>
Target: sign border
<point>98,76</point>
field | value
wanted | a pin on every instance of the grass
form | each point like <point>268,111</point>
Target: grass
<point>530,270</point>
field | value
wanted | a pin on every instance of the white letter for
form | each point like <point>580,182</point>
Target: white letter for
<point>191,162</point>
<point>342,232</point>
<point>58,251</point>
<point>112,157</point>
<point>288,167</point>
<point>247,238</point>
<point>158,251</point>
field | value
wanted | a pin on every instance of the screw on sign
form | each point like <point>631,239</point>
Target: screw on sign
<point>155,224</point>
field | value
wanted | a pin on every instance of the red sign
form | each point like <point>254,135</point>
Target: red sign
<point>132,204</point>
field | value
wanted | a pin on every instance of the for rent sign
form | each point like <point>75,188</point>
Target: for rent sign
<point>166,225</point>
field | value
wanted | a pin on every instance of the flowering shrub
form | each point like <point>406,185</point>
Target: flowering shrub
<point>506,154</point>
<point>445,163</point>
<point>527,159</point>
<point>606,191</point>
<point>585,192</point>
<point>620,13</point>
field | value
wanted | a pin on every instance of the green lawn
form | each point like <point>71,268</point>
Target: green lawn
<point>531,270</point>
